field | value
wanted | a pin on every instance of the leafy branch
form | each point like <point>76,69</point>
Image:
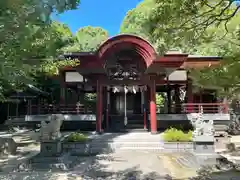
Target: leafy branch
<point>52,67</point>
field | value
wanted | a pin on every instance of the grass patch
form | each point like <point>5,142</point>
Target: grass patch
<point>77,137</point>
<point>176,135</point>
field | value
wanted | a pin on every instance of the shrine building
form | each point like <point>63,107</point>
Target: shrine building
<point>126,74</point>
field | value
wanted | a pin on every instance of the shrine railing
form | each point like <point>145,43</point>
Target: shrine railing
<point>206,108</point>
<point>19,112</point>
<point>61,109</point>
<point>209,108</point>
<point>185,108</point>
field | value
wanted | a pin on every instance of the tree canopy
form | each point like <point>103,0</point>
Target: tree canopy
<point>187,21</point>
<point>90,38</point>
<point>86,39</point>
<point>26,34</point>
<point>134,20</point>
<point>31,41</point>
<point>197,27</point>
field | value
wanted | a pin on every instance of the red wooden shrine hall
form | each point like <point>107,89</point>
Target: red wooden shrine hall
<point>126,73</point>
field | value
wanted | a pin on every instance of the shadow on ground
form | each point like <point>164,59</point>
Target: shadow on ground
<point>205,174</point>
<point>105,165</point>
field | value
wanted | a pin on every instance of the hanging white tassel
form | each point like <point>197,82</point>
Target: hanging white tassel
<point>125,105</point>
<point>125,89</point>
<point>125,120</point>
<point>134,90</point>
<point>145,88</point>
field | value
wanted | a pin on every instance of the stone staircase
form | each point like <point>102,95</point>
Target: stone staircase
<point>129,141</point>
<point>135,121</point>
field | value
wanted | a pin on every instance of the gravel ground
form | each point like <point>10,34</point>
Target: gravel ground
<point>121,165</point>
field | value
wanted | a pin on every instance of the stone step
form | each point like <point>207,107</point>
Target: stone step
<point>128,140</point>
<point>220,127</point>
<point>132,143</point>
<point>140,142</point>
<point>128,145</point>
<point>112,146</point>
<point>141,148</point>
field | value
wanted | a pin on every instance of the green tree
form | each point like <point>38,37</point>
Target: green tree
<point>138,21</point>
<point>90,38</point>
<point>61,40</point>
<point>185,22</point>
<point>25,28</point>
<point>87,39</point>
<point>200,27</point>
<point>133,22</point>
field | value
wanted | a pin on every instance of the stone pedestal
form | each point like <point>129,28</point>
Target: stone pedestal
<point>51,148</point>
<point>76,148</point>
<point>204,149</point>
<point>204,144</point>
<point>52,157</point>
<point>58,162</point>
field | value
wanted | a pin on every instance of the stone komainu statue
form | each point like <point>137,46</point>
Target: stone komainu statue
<point>7,146</point>
<point>51,130</point>
<point>201,126</point>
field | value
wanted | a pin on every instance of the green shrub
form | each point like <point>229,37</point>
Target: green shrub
<point>175,135</point>
<point>77,137</point>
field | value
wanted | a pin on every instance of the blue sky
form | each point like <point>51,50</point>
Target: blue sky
<point>107,14</point>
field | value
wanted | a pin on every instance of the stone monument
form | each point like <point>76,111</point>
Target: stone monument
<point>50,156</point>
<point>203,139</point>
<point>50,136</point>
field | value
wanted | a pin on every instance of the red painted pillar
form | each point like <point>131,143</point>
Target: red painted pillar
<point>153,115</point>
<point>99,108</point>
<point>189,97</point>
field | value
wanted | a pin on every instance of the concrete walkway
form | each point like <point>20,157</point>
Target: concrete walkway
<point>236,140</point>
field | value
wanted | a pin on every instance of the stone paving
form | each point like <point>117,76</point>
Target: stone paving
<point>120,165</point>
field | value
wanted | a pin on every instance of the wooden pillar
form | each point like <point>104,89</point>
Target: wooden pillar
<point>147,107</point>
<point>17,108</point>
<point>30,107</point>
<point>189,96</point>
<point>108,106</point>
<point>177,99</point>
<point>169,100</point>
<point>153,115</point>
<point>39,104</point>
<point>62,88</point>
<point>142,100</point>
<point>143,97</point>
<point>99,108</point>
